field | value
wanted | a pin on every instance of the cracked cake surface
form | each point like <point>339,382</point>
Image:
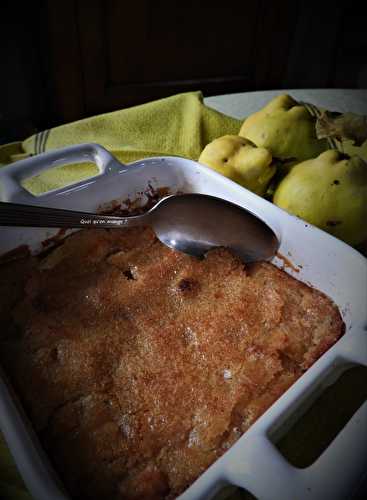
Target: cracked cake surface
<point>139,366</point>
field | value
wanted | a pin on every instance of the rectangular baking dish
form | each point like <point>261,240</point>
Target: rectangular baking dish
<point>316,258</point>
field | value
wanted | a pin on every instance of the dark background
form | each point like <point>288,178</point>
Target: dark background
<point>65,60</point>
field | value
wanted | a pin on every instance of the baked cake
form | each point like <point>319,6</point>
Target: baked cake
<point>139,366</point>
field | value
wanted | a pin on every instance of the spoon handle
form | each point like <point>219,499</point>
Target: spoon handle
<point>14,214</point>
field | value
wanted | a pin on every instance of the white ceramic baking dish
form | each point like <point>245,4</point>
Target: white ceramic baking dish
<point>326,263</point>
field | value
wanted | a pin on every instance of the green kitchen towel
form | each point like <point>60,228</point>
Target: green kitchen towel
<point>178,125</point>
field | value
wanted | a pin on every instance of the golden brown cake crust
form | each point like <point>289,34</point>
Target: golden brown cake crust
<point>139,366</point>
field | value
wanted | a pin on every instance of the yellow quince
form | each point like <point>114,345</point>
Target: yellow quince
<point>241,161</point>
<point>286,128</point>
<point>330,192</point>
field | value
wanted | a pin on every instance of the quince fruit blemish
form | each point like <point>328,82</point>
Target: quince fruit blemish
<point>330,192</point>
<point>241,161</point>
<point>286,128</point>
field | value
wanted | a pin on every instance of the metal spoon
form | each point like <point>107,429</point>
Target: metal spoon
<point>190,223</point>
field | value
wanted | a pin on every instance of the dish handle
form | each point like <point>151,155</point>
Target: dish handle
<point>258,466</point>
<point>12,175</point>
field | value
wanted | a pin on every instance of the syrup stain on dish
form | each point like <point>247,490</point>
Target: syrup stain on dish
<point>286,263</point>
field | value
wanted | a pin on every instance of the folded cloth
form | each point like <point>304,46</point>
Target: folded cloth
<point>179,125</point>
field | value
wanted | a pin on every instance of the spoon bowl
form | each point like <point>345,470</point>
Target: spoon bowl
<point>195,223</point>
